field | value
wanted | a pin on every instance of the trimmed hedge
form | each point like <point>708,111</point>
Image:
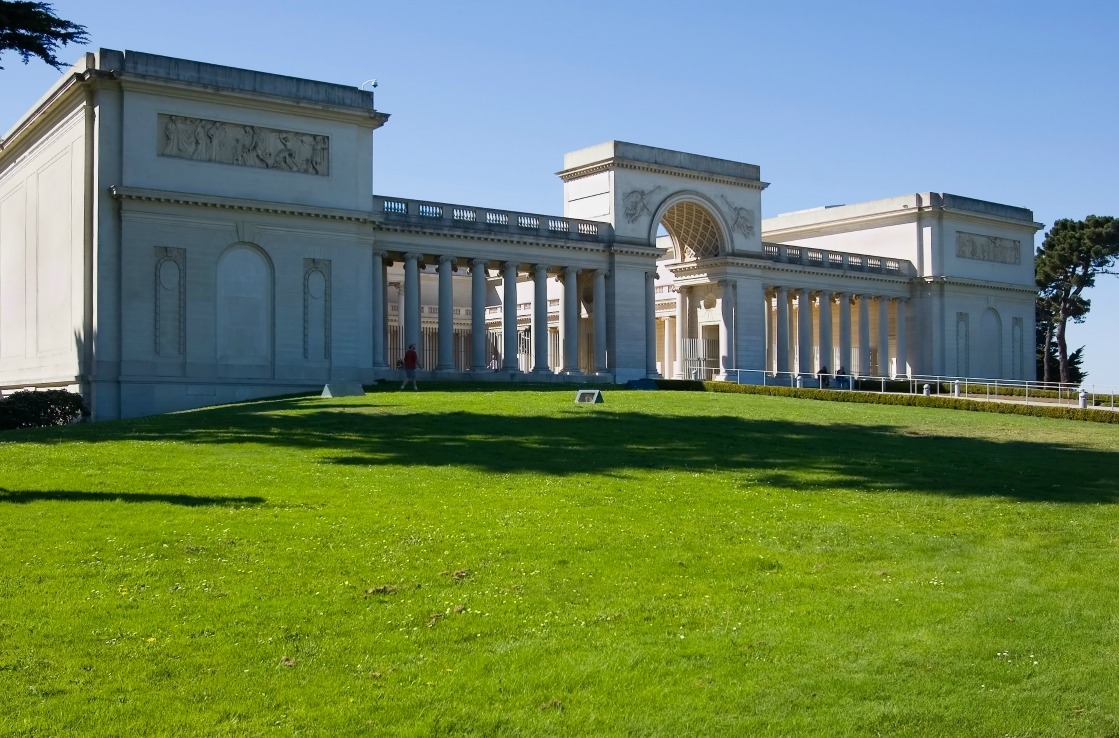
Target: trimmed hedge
<point>877,398</point>
<point>37,409</point>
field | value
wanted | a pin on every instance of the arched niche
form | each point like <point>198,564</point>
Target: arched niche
<point>990,344</point>
<point>245,307</point>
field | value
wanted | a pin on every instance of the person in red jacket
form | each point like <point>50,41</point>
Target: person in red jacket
<point>411,361</point>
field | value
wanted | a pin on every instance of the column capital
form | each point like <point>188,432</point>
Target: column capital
<point>538,268</point>
<point>602,272</point>
<point>571,271</point>
<point>412,256</point>
<point>447,260</point>
<point>380,254</point>
<point>479,263</point>
<point>507,265</point>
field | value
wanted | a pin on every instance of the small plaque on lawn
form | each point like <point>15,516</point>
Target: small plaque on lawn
<point>590,397</point>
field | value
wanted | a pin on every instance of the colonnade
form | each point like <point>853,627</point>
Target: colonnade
<point>800,331</point>
<point>805,345</point>
<point>569,312</point>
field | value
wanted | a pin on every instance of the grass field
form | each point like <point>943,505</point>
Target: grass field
<point>508,563</point>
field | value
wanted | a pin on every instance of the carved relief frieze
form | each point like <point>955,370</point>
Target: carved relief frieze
<point>636,203</point>
<point>200,139</point>
<point>170,301</point>
<point>742,220</point>
<point>316,309</point>
<point>988,248</point>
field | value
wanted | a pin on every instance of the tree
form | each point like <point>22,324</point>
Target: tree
<point>1048,365</point>
<point>32,29</point>
<point>1066,264</point>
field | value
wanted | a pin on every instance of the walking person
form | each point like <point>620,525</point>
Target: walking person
<point>411,361</point>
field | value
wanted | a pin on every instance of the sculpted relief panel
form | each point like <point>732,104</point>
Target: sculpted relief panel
<point>988,248</point>
<point>199,139</point>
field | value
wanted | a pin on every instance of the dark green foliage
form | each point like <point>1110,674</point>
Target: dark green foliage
<point>1073,253</point>
<point>31,409</point>
<point>32,29</point>
<point>1046,354</point>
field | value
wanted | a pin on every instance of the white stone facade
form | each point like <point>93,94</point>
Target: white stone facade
<point>176,234</point>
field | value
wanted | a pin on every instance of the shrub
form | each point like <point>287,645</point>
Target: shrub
<point>941,401</point>
<point>36,409</point>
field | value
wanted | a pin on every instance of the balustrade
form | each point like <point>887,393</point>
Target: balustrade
<point>472,217</point>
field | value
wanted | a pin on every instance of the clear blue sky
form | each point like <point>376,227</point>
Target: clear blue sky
<point>838,102</point>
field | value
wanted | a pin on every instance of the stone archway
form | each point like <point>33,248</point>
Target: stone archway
<point>694,227</point>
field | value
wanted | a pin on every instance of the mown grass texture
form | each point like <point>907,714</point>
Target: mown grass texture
<point>504,562</point>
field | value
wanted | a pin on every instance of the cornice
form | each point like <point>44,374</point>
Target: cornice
<point>610,164</point>
<point>166,197</point>
<point>47,109</point>
<point>890,217</point>
<point>490,237</point>
<point>256,100</point>
<point>700,269</point>
<point>979,284</point>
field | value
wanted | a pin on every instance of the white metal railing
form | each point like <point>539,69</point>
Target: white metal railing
<point>1004,390</point>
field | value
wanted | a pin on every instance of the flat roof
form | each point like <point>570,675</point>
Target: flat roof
<point>155,66</point>
<point>621,152</point>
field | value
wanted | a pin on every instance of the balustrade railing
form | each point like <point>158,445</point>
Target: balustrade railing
<point>837,259</point>
<point>465,216</point>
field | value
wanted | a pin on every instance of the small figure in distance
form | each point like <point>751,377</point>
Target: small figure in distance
<point>841,379</point>
<point>495,361</point>
<point>411,361</point>
<point>822,375</point>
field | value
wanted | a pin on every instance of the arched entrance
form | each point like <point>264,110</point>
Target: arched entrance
<point>692,341</point>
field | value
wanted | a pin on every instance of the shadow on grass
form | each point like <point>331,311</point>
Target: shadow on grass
<point>770,452</point>
<point>25,496</point>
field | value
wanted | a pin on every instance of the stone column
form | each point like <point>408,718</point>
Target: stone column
<point>726,326</point>
<point>479,346</point>
<point>600,320</point>
<point>446,315</point>
<point>380,320</point>
<point>900,338</point>
<point>681,328</point>
<point>883,337</point>
<point>412,300</point>
<point>509,316</point>
<point>825,332</point>
<point>669,340</point>
<point>782,330</point>
<point>864,335</point>
<point>569,329</point>
<point>804,334</point>
<point>844,306</point>
<point>540,320</point>
<point>650,324</point>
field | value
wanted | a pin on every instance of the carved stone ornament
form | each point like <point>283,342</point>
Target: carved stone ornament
<point>743,219</point>
<point>170,301</point>
<point>988,248</point>
<point>636,203</point>
<point>316,309</point>
<point>199,139</point>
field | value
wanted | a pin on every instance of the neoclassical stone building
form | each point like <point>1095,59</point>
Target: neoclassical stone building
<point>176,234</point>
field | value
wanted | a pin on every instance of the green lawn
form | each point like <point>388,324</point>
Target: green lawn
<point>507,563</point>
